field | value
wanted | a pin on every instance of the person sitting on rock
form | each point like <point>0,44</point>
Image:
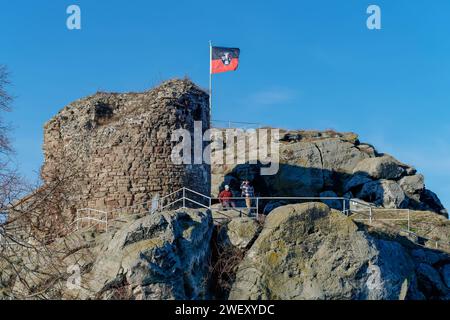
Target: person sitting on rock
<point>248,192</point>
<point>225,198</point>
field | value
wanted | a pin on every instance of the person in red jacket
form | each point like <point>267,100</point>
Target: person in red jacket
<point>225,198</point>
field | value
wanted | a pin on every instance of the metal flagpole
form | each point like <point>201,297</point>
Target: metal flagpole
<point>210,83</point>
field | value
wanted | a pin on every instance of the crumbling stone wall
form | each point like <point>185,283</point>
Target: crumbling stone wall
<point>120,145</point>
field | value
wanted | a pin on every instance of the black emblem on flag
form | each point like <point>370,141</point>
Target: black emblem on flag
<point>226,58</point>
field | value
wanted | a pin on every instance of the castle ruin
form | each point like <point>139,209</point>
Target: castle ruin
<point>119,146</point>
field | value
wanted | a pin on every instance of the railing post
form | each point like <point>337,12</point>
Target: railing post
<point>257,208</point>
<point>370,215</point>
<point>343,207</point>
<point>409,220</point>
<point>184,198</point>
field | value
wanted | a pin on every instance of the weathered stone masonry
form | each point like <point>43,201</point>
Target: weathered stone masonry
<point>121,145</point>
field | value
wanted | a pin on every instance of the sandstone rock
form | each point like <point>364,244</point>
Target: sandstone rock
<point>431,202</point>
<point>306,251</point>
<point>337,159</point>
<point>384,193</point>
<point>356,181</point>
<point>242,231</point>
<point>431,283</point>
<point>348,195</point>
<point>445,271</point>
<point>312,162</point>
<point>161,256</point>
<point>332,203</point>
<point>272,205</point>
<point>319,164</point>
<point>384,167</point>
<point>429,257</point>
<point>368,149</point>
<point>413,186</point>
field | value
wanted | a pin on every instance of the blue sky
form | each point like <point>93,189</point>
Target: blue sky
<point>304,64</point>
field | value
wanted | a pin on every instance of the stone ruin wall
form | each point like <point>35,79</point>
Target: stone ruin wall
<point>116,148</point>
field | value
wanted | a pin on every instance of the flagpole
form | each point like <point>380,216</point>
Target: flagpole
<point>210,83</point>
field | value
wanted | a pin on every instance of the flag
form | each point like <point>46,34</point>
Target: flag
<point>224,59</point>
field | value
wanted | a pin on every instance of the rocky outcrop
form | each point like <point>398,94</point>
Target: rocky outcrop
<point>163,256</point>
<point>384,167</point>
<point>386,193</point>
<point>117,151</point>
<point>240,232</point>
<point>314,163</point>
<point>308,251</point>
<point>413,186</point>
<point>303,251</point>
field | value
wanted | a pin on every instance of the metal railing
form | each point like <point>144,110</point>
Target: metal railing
<point>91,217</point>
<point>373,212</point>
<point>225,124</point>
<point>187,198</point>
<point>258,203</point>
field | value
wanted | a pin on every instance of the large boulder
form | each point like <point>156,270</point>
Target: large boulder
<point>413,186</point>
<point>312,162</point>
<point>430,201</point>
<point>445,271</point>
<point>338,160</point>
<point>329,198</point>
<point>384,193</point>
<point>162,256</point>
<point>430,281</point>
<point>355,181</point>
<point>307,251</point>
<point>385,167</point>
<point>240,232</point>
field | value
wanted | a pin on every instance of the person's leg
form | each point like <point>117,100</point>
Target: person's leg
<point>248,202</point>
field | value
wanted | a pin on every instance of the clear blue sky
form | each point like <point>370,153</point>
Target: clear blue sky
<point>304,64</point>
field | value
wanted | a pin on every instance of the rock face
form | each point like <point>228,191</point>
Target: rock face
<point>307,251</point>
<point>386,193</point>
<point>240,232</point>
<point>162,256</point>
<point>384,167</point>
<point>120,145</point>
<point>118,149</point>
<point>304,251</point>
<point>413,186</point>
<point>313,163</point>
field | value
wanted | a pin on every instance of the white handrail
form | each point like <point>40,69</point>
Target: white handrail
<point>185,198</point>
<point>198,193</point>
<point>198,203</point>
